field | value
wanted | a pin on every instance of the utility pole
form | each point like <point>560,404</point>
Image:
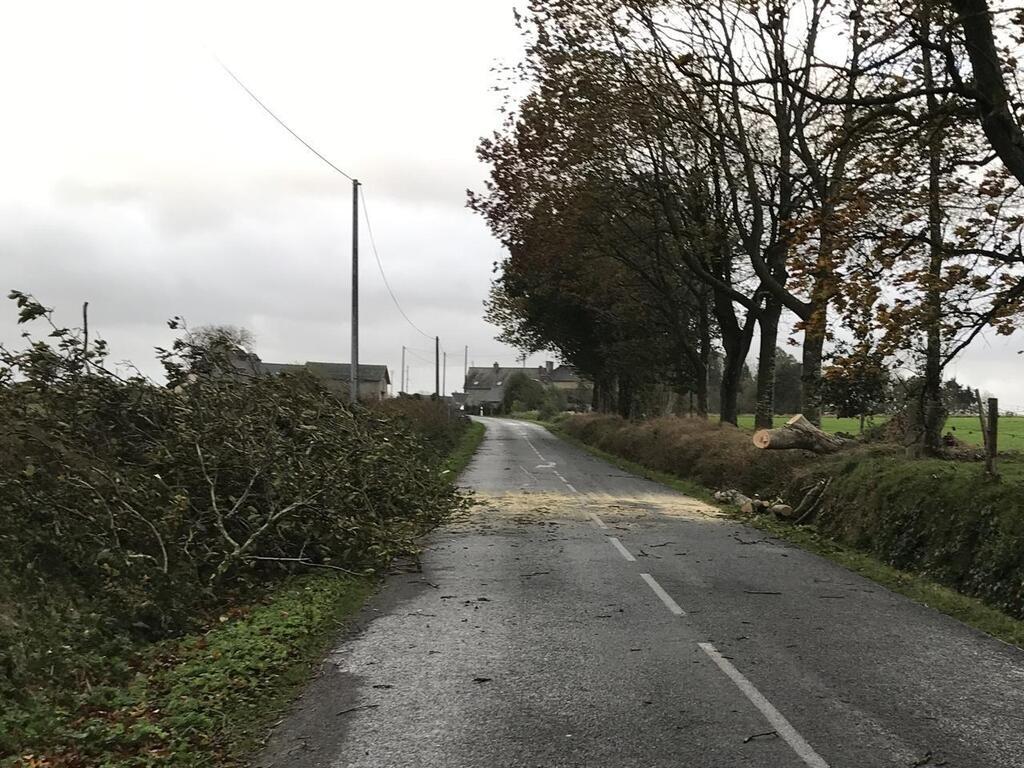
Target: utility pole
<point>401,375</point>
<point>407,376</point>
<point>465,367</point>
<point>437,365</point>
<point>354,382</point>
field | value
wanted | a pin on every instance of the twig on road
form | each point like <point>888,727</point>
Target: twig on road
<point>760,735</point>
<point>356,709</point>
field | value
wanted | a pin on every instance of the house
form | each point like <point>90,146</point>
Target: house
<point>485,387</point>
<point>374,380</point>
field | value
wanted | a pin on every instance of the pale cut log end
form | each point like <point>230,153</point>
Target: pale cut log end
<point>762,438</point>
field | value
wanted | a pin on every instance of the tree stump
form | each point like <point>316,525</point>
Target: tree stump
<point>800,433</point>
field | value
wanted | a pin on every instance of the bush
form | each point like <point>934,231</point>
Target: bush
<point>438,426</point>
<point>131,511</point>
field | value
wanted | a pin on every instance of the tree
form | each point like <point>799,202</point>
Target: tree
<point>522,394</point>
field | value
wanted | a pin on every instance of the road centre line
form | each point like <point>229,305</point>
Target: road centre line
<point>664,596</point>
<point>596,520</point>
<point>782,726</point>
<point>621,549</point>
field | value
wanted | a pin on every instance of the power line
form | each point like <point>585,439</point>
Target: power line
<point>280,122</point>
<point>380,266</point>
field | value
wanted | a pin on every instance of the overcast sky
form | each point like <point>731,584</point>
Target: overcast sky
<point>136,175</point>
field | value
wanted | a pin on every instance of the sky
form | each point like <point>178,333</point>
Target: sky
<point>136,175</point>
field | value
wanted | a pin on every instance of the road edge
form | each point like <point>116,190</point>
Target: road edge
<point>917,587</point>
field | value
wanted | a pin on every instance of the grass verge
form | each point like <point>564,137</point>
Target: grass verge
<point>463,453</point>
<point>206,699</point>
<point>919,588</point>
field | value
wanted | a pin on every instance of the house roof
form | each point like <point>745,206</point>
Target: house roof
<point>565,373</point>
<point>489,377</point>
<point>343,371</point>
<point>276,369</point>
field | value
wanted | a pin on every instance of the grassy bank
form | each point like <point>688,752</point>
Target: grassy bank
<point>206,699</point>
<point>940,532</point>
<point>460,457</point>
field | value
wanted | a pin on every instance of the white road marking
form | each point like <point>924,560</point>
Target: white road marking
<point>622,550</point>
<point>782,726</point>
<point>539,456</point>
<point>665,597</point>
<point>571,487</point>
<point>596,520</point>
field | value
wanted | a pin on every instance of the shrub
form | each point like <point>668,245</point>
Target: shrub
<point>131,511</point>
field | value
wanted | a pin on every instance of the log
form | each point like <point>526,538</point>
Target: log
<point>800,433</point>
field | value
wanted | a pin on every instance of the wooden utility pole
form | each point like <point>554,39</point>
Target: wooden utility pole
<point>401,373</point>
<point>437,366</point>
<point>354,374</point>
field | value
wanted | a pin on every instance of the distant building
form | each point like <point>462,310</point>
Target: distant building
<point>485,387</point>
<point>374,380</point>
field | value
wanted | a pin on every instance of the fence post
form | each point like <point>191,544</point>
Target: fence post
<point>992,443</point>
<point>981,418</point>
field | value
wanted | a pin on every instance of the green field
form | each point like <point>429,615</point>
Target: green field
<point>966,428</point>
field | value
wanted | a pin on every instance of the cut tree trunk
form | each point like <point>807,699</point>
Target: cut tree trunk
<point>800,433</point>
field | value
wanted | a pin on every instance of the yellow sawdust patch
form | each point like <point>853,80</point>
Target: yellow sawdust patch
<point>525,507</point>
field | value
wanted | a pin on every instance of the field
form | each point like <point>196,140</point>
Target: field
<point>966,428</point>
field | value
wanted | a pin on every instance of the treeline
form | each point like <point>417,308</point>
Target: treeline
<point>132,511</point>
<point>683,174</point>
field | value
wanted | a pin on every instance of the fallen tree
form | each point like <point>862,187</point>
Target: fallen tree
<point>799,433</point>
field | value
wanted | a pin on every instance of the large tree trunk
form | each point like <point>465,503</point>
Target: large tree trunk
<point>995,111</point>
<point>800,433</point>
<point>933,415</point>
<point>810,371</point>
<point>624,399</point>
<point>704,352</point>
<point>736,345</point>
<point>768,323</point>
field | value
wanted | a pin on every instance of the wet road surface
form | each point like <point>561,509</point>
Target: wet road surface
<point>582,616</point>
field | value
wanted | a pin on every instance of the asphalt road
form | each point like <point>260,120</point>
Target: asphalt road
<point>587,617</point>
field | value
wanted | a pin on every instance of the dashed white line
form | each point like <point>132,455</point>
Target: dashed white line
<point>570,486</point>
<point>782,726</point>
<point>622,550</point>
<point>665,597</point>
<point>596,520</point>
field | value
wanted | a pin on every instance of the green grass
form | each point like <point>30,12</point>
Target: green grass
<point>828,423</point>
<point>966,428</point>
<point>207,699</point>
<point>463,453</point>
<point>917,587</point>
